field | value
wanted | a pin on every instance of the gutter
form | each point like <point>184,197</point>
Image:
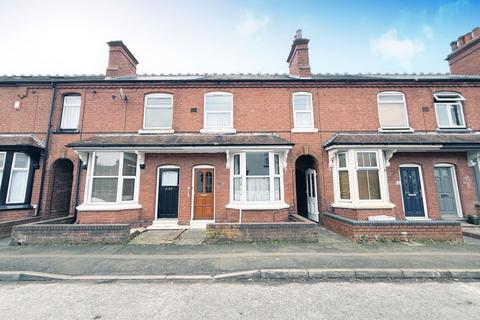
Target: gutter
<point>38,210</point>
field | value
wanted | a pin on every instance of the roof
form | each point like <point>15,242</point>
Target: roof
<point>416,77</point>
<point>180,140</point>
<point>17,140</point>
<point>404,139</point>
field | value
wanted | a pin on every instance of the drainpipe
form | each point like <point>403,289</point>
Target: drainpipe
<point>45,157</point>
<point>77,188</point>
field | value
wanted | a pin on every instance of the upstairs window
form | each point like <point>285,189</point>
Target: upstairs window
<point>302,110</point>
<point>392,110</point>
<point>449,110</point>
<point>158,113</point>
<point>70,112</point>
<point>218,111</point>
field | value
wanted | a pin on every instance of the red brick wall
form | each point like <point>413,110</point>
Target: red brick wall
<point>467,61</point>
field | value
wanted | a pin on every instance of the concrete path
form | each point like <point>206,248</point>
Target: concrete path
<point>471,230</point>
<point>259,300</point>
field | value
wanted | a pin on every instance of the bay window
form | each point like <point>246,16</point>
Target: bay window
<point>449,110</point>
<point>218,112</point>
<point>392,110</point>
<point>360,179</point>
<point>256,177</point>
<point>113,177</point>
<point>2,165</point>
<point>16,176</point>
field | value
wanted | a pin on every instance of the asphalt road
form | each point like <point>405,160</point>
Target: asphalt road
<point>269,300</point>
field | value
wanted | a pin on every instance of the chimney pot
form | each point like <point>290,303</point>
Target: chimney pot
<point>298,34</point>
<point>476,32</point>
<point>460,41</point>
<point>121,62</point>
<point>453,44</point>
<point>467,37</point>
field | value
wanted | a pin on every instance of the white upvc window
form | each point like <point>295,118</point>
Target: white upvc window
<point>449,110</point>
<point>2,165</point>
<point>17,187</point>
<point>113,177</point>
<point>218,112</point>
<point>256,178</point>
<point>71,111</point>
<point>158,111</point>
<point>303,112</point>
<point>392,110</point>
<point>360,179</point>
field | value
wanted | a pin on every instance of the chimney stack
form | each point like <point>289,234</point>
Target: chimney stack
<point>121,62</point>
<point>298,61</point>
<point>465,55</point>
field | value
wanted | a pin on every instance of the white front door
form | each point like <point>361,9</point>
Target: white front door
<point>312,202</point>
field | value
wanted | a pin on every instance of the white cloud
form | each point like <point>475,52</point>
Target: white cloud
<point>390,47</point>
<point>251,25</point>
<point>428,31</point>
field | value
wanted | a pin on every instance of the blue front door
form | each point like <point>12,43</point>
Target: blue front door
<point>412,192</point>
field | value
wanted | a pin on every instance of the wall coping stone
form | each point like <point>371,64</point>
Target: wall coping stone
<point>403,223</point>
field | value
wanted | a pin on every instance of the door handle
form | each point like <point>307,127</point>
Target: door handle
<point>412,194</point>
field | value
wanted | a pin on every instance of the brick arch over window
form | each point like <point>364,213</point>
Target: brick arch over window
<point>61,192</point>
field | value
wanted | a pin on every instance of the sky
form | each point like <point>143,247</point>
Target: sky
<point>210,36</point>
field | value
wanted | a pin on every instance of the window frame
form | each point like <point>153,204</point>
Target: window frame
<point>243,175</point>
<point>405,108</point>
<point>359,168</point>
<point>295,126</point>
<point>449,103</point>
<point>64,97</point>
<point>27,178</point>
<point>2,168</point>
<point>343,169</point>
<point>145,107</point>
<point>229,129</point>
<point>120,177</point>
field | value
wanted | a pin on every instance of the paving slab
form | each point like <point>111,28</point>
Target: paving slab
<point>191,237</point>
<point>156,237</point>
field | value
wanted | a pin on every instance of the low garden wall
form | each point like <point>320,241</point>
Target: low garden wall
<point>63,231</point>
<point>402,230</point>
<point>6,226</point>
<point>297,229</point>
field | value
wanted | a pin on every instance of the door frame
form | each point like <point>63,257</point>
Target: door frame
<point>456,191</point>
<point>424,193</point>
<point>316,212</point>
<point>163,167</point>
<point>191,192</point>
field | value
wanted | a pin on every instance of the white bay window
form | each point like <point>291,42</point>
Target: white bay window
<point>256,179</point>
<point>17,187</point>
<point>360,179</point>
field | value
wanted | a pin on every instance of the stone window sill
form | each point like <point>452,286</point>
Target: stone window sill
<point>304,130</point>
<point>108,207</point>
<point>258,206</point>
<point>370,205</point>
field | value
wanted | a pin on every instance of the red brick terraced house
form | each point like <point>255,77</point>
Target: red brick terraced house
<point>355,152</point>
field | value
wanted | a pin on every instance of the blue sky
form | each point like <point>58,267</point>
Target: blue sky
<point>188,36</point>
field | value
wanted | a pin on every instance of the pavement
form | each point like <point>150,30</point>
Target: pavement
<point>471,230</point>
<point>240,300</point>
<point>332,257</point>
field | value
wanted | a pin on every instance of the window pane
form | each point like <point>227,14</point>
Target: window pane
<point>368,185</point>
<point>128,189</point>
<point>70,116</point>
<point>18,186</point>
<point>129,164</point>
<point>106,164</point>
<point>2,160</point>
<point>344,185</point>
<point>218,120</point>
<point>277,189</point>
<point>104,189</point>
<point>1,176</point>
<point>456,115</point>
<point>366,159</point>
<point>237,188</point>
<point>169,178</point>
<point>303,119</point>
<point>158,118</point>
<point>236,164</point>
<point>258,189</point>
<point>442,115</point>
<point>257,164</point>
<point>276,158</point>
<point>165,102</point>
<point>302,102</point>
<point>218,103</point>
<point>208,182</point>
<point>72,101</point>
<point>390,98</point>
<point>342,160</point>
<point>21,161</point>
<point>392,115</point>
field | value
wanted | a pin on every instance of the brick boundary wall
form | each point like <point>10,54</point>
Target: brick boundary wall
<point>7,226</point>
<point>61,231</point>
<point>393,230</point>
<point>298,229</point>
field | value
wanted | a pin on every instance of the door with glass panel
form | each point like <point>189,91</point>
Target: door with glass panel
<point>312,201</point>
<point>168,193</point>
<point>203,197</point>
<point>412,192</point>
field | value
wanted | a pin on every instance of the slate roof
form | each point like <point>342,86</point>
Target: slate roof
<point>404,138</point>
<point>180,140</point>
<point>18,140</point>
<point>46,79</point>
